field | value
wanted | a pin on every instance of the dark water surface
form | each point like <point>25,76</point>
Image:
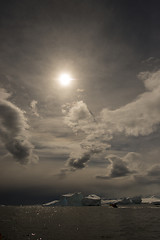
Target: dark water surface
<point>75,223</point>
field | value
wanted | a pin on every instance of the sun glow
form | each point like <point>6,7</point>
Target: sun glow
<point>65,79</point>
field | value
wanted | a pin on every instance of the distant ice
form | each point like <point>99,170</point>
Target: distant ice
<point>151,200</point>
<point>76,199</point>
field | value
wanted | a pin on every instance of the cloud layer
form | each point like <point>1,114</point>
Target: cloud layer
<point>140,117</point>
<point>80,119</point>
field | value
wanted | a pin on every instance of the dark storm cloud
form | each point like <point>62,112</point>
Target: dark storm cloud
<point>117,168</point>
<point>80,162</point>
<point>13,126</point>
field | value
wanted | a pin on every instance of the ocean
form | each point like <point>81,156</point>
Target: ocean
<point>76,223</point>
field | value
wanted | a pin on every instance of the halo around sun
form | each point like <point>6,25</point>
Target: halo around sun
<point>65,79</point>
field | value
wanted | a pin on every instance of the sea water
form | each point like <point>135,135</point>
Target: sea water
<point>77,223</point>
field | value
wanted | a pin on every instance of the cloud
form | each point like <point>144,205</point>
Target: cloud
<point>154,171</point>
<point>134,161</point>
<point>80,90</point>
<point>77,116</point>
<point>79,162</point>
<point>4,94</point>
<point>13,131</point>
<point>141,116</point>
<point>148,176</point>
<point>151,61</point>
<point>80,119</point>
<point>33,105</point>
<point>151,176</point>
<point>63,173</point>
<point>117,168</point>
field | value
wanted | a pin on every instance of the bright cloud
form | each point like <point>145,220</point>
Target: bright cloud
<point>139,117</point>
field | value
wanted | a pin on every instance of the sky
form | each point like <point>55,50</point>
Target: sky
<point>99,134</point>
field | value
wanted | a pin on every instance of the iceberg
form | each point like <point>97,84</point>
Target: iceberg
<point>136,200</point>
<point>151,200</point>
<point>125,201</point>
<point>91,200</point>
<point>50,204</point>
<point>71,199</point>
<point>133,200</point>
<point>106,202</point>
<point>75,199</point>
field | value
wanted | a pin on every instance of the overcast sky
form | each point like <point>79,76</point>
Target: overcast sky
<point>101,133</point>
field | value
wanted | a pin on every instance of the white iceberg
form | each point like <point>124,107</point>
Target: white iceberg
<point>151,200</point>
<point>53,203</point>
<point>106,202</point>
<point>125,201</point>
<point>91,200</point>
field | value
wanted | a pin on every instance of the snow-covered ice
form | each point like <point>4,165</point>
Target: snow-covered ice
<point>91,200</point>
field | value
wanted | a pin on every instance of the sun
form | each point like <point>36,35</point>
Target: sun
<point>65,79</point>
